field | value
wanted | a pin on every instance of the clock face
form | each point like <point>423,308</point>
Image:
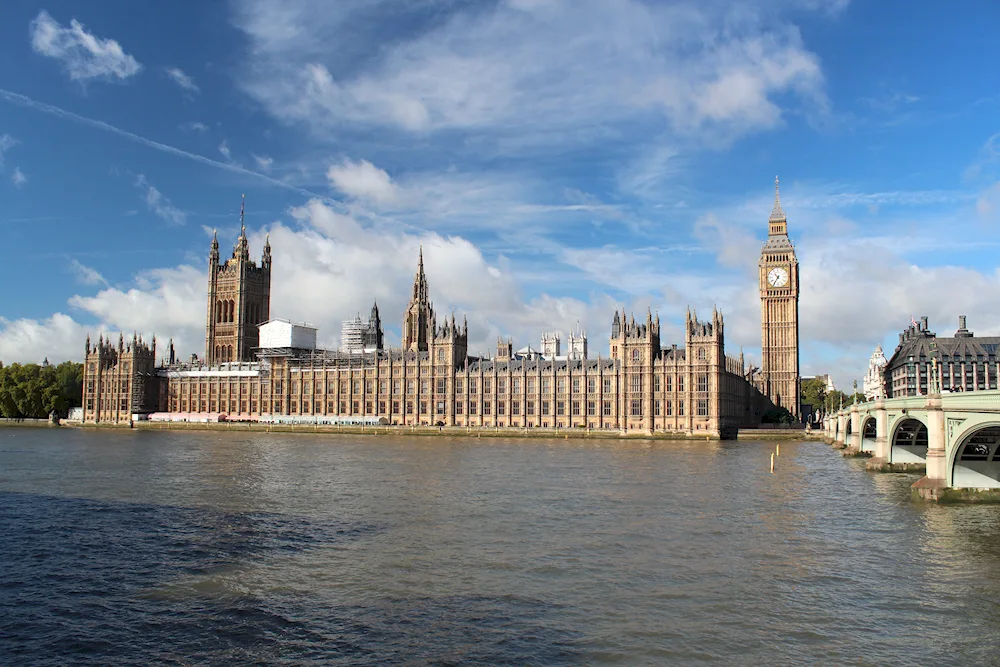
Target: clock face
<point>777,277</point>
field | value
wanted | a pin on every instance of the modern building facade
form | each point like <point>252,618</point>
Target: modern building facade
<point>779,313</point>
<point>642,386</point>
<point>922,361</point>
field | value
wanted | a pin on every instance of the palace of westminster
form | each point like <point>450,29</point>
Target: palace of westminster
<point>256,368</point>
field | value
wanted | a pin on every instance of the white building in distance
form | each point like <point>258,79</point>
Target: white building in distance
<point>874,386</point>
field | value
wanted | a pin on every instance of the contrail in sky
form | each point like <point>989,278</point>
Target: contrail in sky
<point>24,101</point>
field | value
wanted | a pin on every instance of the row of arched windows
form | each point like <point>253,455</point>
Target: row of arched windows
<point>225,312</point>
<point>224,353</point>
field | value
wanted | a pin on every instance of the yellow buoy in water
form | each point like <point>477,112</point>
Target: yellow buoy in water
<point>777,449</point>
<point>772,461</point>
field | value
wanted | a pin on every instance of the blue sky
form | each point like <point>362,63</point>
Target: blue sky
<point>556,159</point>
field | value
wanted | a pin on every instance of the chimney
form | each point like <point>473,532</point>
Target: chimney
<point>962,331</point>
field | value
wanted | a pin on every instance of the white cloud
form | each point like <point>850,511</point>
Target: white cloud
<point>84,55</point>
<point>18,178</point>
<point>58,338</point>
<point>224,149</point>
<point>733,244</point>
<point>85,274</point>
<point>263,161</point>
<point>158,203</point>
<point>988,204</point>
<point>178,76</point>
<point>163,300</point>
<point>363,180</point>
<point>194,126</point>
<point>327,267</point>
<point>6,143</point>
<point>550,66</point>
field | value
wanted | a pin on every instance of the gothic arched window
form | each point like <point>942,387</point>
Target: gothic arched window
<point>232,311</point>
<point>218,311</point>
<point>635,355</point>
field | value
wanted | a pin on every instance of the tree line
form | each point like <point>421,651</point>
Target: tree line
<point>814,393</point>
<point>33,391</point>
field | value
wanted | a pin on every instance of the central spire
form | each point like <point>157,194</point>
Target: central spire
<point>242,249</point>
<point>776,212</point>
<point>420,281</point>
<point>419,321</point>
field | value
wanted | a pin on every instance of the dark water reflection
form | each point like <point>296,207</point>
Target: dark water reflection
<point>126,548</point>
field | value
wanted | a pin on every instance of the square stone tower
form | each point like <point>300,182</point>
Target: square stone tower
<point>239,301</point>
<point>779,313</point>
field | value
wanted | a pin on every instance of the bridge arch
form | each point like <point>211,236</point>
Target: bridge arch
<point>869,432</point>
<point>975,460</point>
<point>908,441</point>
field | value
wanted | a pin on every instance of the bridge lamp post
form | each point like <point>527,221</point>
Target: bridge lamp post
<point>934,381</point>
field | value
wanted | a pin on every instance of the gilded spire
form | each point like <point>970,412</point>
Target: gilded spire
<point>243,229</point>
<point>776,212</point>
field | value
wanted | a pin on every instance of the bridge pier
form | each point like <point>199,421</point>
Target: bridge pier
<point>881,430</point>
<point>841,428</point>
<point>935,482</point>
<point>854,440</point>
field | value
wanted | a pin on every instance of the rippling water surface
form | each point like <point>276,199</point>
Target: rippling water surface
<point>219,548</point>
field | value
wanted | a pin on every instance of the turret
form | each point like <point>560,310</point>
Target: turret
<point>213,255</point>
<point>505,349</point>
<point>242,249</point>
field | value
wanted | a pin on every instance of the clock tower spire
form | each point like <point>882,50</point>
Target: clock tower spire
<point>779,312</point>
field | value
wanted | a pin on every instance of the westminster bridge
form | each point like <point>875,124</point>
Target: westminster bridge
<point>954,437</point>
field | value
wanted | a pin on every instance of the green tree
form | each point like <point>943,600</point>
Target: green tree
<point>813,393</point>
<point>33,391</point>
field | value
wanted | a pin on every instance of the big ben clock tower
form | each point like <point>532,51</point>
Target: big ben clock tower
<point>779,312</point>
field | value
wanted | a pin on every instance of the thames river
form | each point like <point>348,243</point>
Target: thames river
<point>128,547</point>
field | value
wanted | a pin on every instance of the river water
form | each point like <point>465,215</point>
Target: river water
<point>225,548</point>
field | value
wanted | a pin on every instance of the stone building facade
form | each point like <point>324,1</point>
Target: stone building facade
<point>642,386</point>
<point>963,362</point>
<point>119,380</point>
<point>239,301</point>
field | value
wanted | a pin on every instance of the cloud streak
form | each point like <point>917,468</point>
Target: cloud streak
<point>158,203</point>
<point>177,75</point>
<point>709,73</point>
<point>6,143</point>
<point>85,274</point>
<point>52,110</point>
